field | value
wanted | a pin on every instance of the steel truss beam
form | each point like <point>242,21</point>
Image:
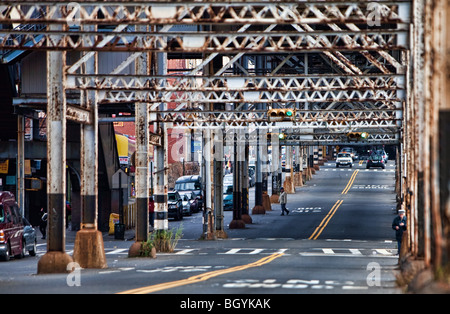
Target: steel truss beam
<point>208,42</point>
<point>270,83</point>
<point>301,137</point>
<point>204,12</point>
<point>302,118</point>
<point>311,26</point>
<point>346,33</point>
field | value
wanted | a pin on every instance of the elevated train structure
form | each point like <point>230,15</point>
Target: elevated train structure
<point>341,67</point>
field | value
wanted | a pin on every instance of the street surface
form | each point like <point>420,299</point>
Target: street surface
<point>337,239</point>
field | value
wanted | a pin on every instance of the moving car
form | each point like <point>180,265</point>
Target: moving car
<point>175,205</point>
<point>383,155</point>
<point>344,159</point>
<point>11,228</point>
<point>375,160</point>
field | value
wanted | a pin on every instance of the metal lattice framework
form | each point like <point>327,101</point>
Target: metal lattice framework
<point>356,81</point>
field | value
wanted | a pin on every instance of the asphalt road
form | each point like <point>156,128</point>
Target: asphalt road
<point>337,239</point>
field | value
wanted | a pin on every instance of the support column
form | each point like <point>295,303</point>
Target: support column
<point>275,165</point>
<point>161,188</point>
<point>245,185</point>
<point>258,209</point>
<point>161,157</point>
<point>142,174</point>
<point>141,177</point>
<point>298,177</point>
<point>208,221</point>
<point>237,222</point>
<point>56,259</point>
<point>288,184</point>
<point>21,164</point>
<point>218,184</point>
<point>89,251</point>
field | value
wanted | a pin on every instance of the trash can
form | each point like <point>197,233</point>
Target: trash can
<point>113,219</point>
<point>119,231</point>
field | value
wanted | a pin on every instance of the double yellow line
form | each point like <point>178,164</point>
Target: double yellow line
<point>325,221</point>
<point>350,182</point>
<point>333,209</point>
<point>202,277</point>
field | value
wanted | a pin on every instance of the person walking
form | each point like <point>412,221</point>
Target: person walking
<point>43,223</point>
<point>399,225</point>
<point>283,201</point>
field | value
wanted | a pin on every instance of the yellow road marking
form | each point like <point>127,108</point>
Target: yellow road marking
<point>333,209</point>
<point>325,220</point>
<point>350,182</point>
<point>202,277</point>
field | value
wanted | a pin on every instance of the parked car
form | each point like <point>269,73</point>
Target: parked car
<point>251,177</point>
<point>344,159</point>
<point>228,197</point>
<point>191,183</point>
<point>375,160</point>
<point>29,237</point>
<point>190,202</point>
<point>175,205</point>
<point>11,228</point>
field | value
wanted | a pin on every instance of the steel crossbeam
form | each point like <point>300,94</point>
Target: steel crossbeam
<point>203,12</point>
<point>208,42</point>
<point>363,43</point>
<point>317,119</point>
<point>279,83</point>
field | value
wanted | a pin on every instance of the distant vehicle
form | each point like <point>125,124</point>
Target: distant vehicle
<point>351,151</point>
<point>175,205</point>
<point>191,183</point>
<point>375,160</point>
<point>228,197</point>
<point>190,202</point>
<point>383,155</point>
<point>344,159</point>
<point>11,228</point>
<point>251,177</point>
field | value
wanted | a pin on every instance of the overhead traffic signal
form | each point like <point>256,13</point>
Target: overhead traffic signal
<point>356,136</point>
<point>275,115</point>
<point>281,136</point>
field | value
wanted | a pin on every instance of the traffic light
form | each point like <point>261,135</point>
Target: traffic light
<point>356,136</point>
<point>281,114</point>
<point>281,136</point>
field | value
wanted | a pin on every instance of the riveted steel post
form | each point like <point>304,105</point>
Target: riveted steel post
<point>56,260</point>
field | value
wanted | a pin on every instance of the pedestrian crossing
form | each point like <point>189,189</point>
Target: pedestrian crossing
<point>362,170</point>
<point>343,252</point>
<point>307,252</point>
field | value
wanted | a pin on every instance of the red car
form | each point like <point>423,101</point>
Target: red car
<point>11,227</point>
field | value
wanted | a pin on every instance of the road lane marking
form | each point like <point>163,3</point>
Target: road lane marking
<point>201,277</point>
<point>325,220</point>
<point>350,182</point>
